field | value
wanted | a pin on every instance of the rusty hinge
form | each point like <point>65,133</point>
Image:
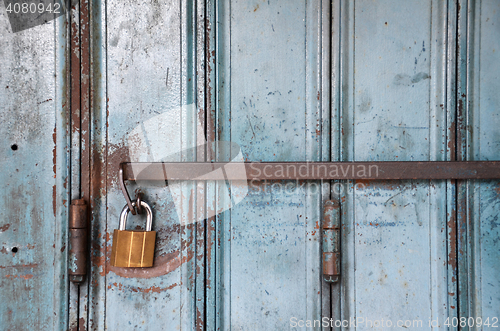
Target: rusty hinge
<point>78,245</point>
<point>331,241</point>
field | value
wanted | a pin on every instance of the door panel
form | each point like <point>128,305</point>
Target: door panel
<point>284,81</point>
<point>267,77</point>
<point>150,117</point>
<point>269,80</point>
<point>34,176</point>
<point>393,108</point>
<point>228,81</point>
<point>154,111</point>
<point>481,230</point>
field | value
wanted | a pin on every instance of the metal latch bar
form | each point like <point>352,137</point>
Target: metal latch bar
<point>311,170</point>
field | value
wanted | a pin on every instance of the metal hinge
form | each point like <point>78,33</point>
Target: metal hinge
<point>78,244</point>
<point>331,241</point>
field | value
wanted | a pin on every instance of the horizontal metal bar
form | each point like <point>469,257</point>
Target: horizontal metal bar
<point>159,171</point>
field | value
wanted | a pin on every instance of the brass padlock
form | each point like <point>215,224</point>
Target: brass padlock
<point>132,248</point>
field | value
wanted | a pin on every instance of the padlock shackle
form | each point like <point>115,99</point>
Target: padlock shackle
<point>125,211</point>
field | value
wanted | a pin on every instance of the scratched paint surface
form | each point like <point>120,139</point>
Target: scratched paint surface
<point>151,116</point>
<point>394,258</point>
<point>270,252</point>
<point>392,92</point>
<point>483,244</point>
<point>33,282</point>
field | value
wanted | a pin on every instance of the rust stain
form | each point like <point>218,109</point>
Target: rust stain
<point>162,266</point>
<point>452,233</point>
<point>54,151</point>
<point>21,266</point>
<point>81,324</point>
<point>385,184</point>
<point>497,189</point>
<point>39,103</point>
<point>4,228</point>
<point>54,199</point>
<point>54,159</point>
<point>451,141</point>
<point>25,277</point>
<point>199,320</point>
<point>152,289</point>
<point>100,261</point>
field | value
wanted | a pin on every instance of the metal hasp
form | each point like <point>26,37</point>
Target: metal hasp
<point>311,170</point>
<point>78,244</point>
<point>125,192</point>
<point>331,241</point>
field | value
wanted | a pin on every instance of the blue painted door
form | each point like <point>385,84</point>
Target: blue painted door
<point>33,176</point>
<point>277,81</point>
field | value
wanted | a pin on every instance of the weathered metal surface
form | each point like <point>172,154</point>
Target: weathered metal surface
<point>34,180</point>
<point>266,72</point>
<point>92,297</point>
<point>163,171</point>
<point>78,241</point>
<point>149,61</point>
<point>79,57</point>
<point>479,224</point>
<point>392,98</point>
<point>269,65</point>
<point>74,79</point>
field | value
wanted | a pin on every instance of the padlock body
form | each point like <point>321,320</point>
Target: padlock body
<point>133,248</point>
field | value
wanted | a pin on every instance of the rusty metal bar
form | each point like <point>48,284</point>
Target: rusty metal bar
<point>158,171</point>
